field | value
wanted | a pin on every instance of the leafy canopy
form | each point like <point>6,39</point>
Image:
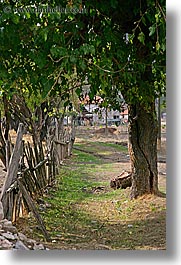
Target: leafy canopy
<point>48,50</point>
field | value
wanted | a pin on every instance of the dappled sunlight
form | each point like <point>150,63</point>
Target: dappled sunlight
<point>121,208</point>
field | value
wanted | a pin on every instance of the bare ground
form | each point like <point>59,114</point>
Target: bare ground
<point>90,135</point>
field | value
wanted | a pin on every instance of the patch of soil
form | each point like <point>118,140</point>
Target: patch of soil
<point>104,130</point>
<point>136,224</point>
<point>122,143</point>
<point>96,133</point>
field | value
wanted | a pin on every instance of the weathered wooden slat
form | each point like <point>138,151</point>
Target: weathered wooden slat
<point>18,205</point>
<point>59,142</point>
<point>29,182</point>
<point>15,199</point>
<point>31,164</point>
<point>33,208</point>
<point>42,167</point>
<point>11,205</point>
<point>31,154</point>
<point>12,171</point>
<point>41,163</point>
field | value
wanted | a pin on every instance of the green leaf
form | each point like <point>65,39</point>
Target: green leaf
<point>40,59</point>
<point>141,37</point>
<point>58,51</point>
<point>88,49</point>
<point>27,14</point>
<point>82,65</point>
<point>45,35</point>
<point>152,30</point>
<point>157,17</point>
<point>157,46</point>
<point>92,49</point>
<point>163,46</point>
<point>73,59</point>
<point>15,19</point>
<point>46,85</point>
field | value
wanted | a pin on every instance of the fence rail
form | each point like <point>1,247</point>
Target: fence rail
<point>32,168</point>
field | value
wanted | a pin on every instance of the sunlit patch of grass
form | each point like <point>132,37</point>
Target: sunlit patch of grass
<point>82,157</point>
<point>97,146</point>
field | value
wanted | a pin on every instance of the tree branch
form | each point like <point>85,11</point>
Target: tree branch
<point>164,16</point>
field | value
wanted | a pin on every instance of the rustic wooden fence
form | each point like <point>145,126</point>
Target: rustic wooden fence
<point>32,169</point>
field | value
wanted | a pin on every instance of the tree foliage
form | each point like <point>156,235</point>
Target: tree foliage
<point>112,42</point>
<point>47,51</point>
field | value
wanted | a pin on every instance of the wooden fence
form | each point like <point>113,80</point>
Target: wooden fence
<point>32,169</point>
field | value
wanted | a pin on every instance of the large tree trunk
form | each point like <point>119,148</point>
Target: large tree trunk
<point>143,149</point>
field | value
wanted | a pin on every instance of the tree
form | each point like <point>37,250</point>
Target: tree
<point>134,36</point>
<point>115,44</point>
<point>129,37</point>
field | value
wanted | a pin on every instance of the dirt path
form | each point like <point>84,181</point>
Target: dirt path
<point>92,140</point>
<point>83,212</point>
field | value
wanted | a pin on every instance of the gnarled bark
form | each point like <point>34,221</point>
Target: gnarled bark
<point>143,149</point>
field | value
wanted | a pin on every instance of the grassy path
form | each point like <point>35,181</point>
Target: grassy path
<point>83,212</point>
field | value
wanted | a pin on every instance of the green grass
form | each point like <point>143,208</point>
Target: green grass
<point>61,217</point>
<point>76,217</point>
<point>117,147</point>
<point>96,147</point>
<point>82,157</point>
<point>91,165</point>
<point>74,186</point>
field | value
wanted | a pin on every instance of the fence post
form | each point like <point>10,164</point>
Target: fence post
<point>12,171</point>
